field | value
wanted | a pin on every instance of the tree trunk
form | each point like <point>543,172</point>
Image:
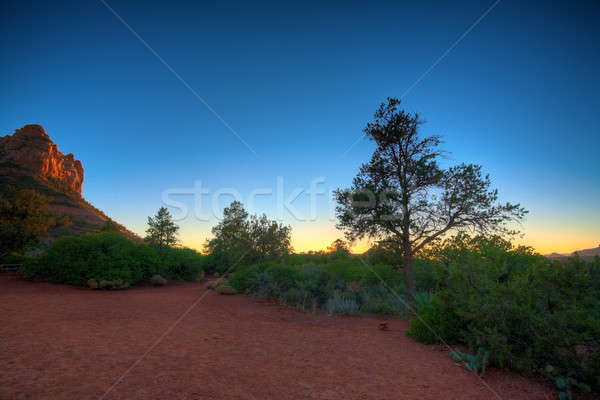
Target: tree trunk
<point>408,278</point>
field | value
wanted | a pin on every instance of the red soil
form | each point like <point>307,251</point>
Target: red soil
<point>60,342</point>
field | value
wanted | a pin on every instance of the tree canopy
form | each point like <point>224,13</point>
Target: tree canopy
<point>403,196</point>
<point>162,231</point>
<point>25,216</point>
<point>241,239</point>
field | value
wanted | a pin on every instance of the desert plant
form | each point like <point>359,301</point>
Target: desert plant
<point>158,280</point>
<point>474,363</point>
<point>242,277</point>
<point>435,321</point>
<point>422,299</point>
<point>341,304</point>
<point>261,285</point>
<point>565,384</point>
<point>223,289</point>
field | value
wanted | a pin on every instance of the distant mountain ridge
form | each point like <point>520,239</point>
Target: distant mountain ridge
<point>586,254</point>
<point>30,160</point>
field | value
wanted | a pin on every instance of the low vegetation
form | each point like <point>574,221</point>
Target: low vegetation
<point>111,257</point>
<point>513,308</point>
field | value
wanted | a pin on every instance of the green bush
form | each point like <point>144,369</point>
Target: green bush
<point>110,257</point>
<point>347,269</point>
<point>242,277</point>
<point>181,263</point>
<point>101,256</point>
<point>295,297</point>
<point>261,285</point>
<point>380,300</point>
<point>342,304</point>
<point>435,321</point>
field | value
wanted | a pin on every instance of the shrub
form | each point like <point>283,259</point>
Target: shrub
<point>435,320</point>
<point>347,269</point>
<point>295,297</point>
<point>242,277</point>
<point>92,284</point>
<point>223,289</point>
<point>284,277</point>
<point>181,263</point>
<point>422,299</point>
<point>342,304</point>
<point>101,256</point>
<point>109,256</point>
<point>390,276</point>
<point>158,280</point>
<point>380,300</point>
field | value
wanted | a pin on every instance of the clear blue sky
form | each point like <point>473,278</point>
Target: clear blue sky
<point>519,94</point>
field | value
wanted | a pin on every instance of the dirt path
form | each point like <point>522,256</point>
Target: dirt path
<point>60,342</point>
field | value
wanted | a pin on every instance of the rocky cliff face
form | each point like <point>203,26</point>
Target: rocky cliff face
<point>30,160</point>
<point>31,150</point>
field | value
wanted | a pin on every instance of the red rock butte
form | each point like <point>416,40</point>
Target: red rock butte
<point>31,150</point>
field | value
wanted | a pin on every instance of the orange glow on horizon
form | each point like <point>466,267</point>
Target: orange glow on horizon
<point>319,235</point>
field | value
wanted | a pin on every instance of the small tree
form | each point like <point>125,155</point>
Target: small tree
<point>162,231</point>
<point>25,217</point>
<point>339,248</point>
<point>241,239</point>
<point>403,197</point>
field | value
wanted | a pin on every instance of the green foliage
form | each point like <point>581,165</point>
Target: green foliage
<point>261,285</point>
<point>181,263</point>
<point>110,257</point>
<point>25,216</point>
<point>435,321</point>
<point>338,249</point>
<point>295,297</point>
<point>379,299</point>
<point>565,384</point>
<point>526,310</point>
<point>474,363</point>
<point>404,198</point>
<point>162,231</point>
<point>342,304</point>
<point>422,299</point>
<point>241,279</point>
<point>241,240</point>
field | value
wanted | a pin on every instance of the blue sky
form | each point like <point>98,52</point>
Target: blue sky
<point>518,94</point>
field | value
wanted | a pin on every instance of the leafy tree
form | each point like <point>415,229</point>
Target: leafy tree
<point>339,248</point>
<point>25,216</point>
<point>162,231</point>
<point>243,239</point>
<point>403,197</point>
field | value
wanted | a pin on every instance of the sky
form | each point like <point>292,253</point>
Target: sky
<point>163,100</point>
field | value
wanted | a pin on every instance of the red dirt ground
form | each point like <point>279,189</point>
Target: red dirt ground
<point>60,342</point>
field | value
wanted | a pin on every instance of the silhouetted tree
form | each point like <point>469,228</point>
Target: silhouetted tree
<point>162,231</point>
<point>404,198</point>
<point>339,248</point>
<point>25,216</point>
